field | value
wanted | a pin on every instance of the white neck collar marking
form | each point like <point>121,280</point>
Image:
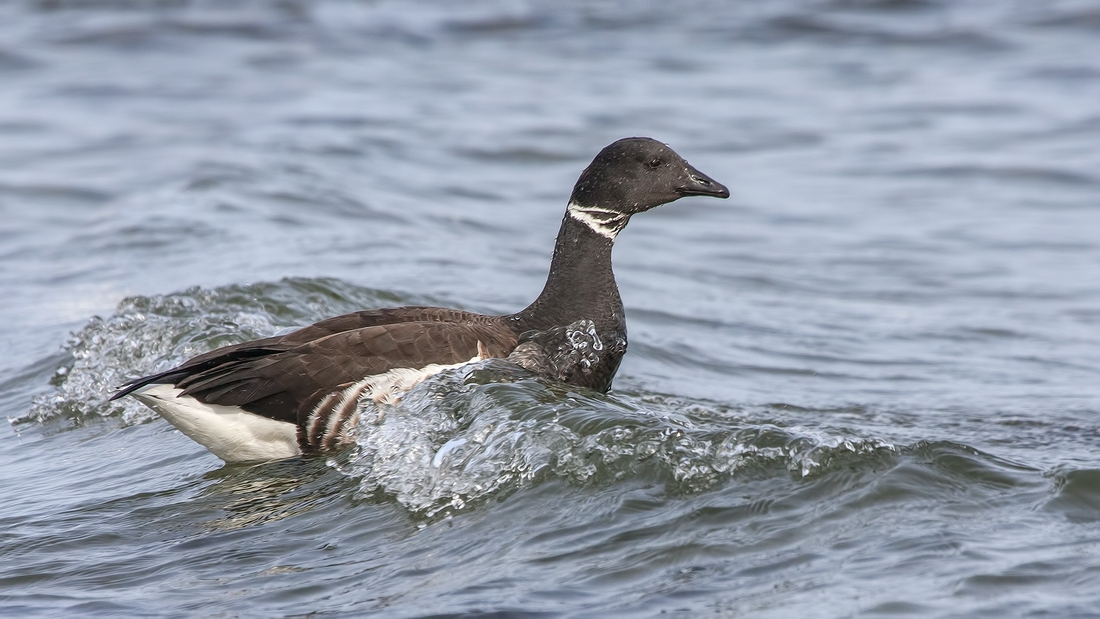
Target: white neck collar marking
<point>604,222</point>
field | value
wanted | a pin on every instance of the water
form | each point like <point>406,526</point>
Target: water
<point>868,384</point>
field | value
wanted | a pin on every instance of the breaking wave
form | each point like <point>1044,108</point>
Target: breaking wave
<point>487,429</point>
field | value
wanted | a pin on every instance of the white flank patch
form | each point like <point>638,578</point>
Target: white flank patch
<point>389,387</point>
<point>384,388</point>
<point>604,222</point>
<point>229,432</point>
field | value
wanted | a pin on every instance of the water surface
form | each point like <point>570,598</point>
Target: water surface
<point>867,384</point>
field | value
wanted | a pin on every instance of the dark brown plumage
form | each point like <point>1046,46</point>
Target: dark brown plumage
<point>285,377</point>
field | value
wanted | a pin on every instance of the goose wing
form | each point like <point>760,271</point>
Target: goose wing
<point>284,377</point>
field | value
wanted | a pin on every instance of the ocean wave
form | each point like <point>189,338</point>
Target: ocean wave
<point>488,429</point>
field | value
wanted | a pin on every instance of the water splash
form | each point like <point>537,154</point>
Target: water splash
<point>566,353</point>
<point>488,429</point>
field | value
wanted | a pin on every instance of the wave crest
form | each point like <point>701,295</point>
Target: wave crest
<point>488,429</point>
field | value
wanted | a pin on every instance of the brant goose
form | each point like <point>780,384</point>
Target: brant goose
<point>298,393</point>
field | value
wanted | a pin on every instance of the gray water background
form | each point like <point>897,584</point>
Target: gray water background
<point>866,385</point>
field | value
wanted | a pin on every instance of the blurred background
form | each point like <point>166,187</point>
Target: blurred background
<point>866,384</point>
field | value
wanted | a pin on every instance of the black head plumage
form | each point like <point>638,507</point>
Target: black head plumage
<point>633,175</point>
